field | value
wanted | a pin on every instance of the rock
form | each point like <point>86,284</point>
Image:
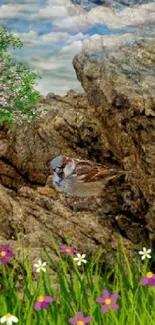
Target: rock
<point>51,95</point>
<point>126,83</point>
<point>112,123</point>
<point>47,191</point>
<point>72,93</point>
<point>35,216</point>
<point>113,17</point>
<point>120,84</point>
<point>89,4</point>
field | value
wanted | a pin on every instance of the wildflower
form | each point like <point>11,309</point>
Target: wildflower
<point>2,64</point>
<point>40,266</point>
<point>108,301</point>
<point>68,250</point>
<point>145,253</point>
<point>80,258</point>
<point>149,279</point>
<point>9,319</point>
<point>79,319</point>
<point>5,253</point>
<point>42,302</point>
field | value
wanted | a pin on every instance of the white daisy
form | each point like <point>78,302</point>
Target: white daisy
<point>9,319</point>
<point>145,253</point>
<point>80,258</point>
<point>40,266</point>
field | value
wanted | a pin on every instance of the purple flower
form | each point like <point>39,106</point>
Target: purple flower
<point>107,300</point>
<point>79,319</point>
<point>149,279</point>
<point>68,250</point>
<point>42,302</point>
<point>5,253</point>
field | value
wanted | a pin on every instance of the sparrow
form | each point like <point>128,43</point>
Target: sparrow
<point>81,178</point>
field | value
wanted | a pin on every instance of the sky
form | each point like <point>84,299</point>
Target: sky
<point>53,31</point>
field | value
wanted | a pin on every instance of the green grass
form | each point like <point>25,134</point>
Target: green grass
<point>77,289</point>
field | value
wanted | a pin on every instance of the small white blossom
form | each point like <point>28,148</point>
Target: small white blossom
<point>40,266</point>
<point>145,253</point>
<point>9,319</point>
<point>80,258</point>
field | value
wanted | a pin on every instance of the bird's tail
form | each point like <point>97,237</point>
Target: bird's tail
<point>119,172</point>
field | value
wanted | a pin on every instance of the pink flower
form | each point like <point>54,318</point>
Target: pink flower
<point>68,250</point>
<point>149,279</point>
<point>42,302</point>
<point>79,319</point>
<point>107,300</point>
<point>5,253</point>
<point>2,64</point>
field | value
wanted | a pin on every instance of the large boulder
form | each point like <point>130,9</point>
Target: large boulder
<point>119,82</point>
<point>112,123</point>
<point>30,209</point>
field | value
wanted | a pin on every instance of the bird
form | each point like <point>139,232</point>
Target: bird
<point>81,178</point>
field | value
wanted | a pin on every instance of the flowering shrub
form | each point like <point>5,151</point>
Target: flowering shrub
<point>18,98</point>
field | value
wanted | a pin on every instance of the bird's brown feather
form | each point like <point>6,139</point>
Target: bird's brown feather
<point>88,171</point>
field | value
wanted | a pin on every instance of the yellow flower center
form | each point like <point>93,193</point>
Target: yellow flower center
<point>108,301</point>
<point>80,322</point>
<point>68,250</point>
<point>8,315</point>
<point>2,253</point>
<point>149,275</point>
<point>40,298</point>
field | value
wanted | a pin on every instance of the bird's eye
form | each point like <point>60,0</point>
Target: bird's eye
<point>60,171</point>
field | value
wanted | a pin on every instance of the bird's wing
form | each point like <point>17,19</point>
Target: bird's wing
<point>88,171</point>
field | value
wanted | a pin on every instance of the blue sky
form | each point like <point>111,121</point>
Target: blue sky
<point>53,31</point>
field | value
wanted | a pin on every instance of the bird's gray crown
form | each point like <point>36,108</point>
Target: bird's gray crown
<point>57,162</point>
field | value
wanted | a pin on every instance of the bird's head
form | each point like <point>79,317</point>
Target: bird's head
<point>63,165</point>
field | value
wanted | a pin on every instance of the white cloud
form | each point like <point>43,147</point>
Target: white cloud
<point>27,38</point>
<point>78,36</point>
<point>57,74</point>
<point>9,11</point>
<point>99,42</point>
<point>133,16</point>
<point>54,64</point>
<point>32,38</point>
<point>54,2</point>
<point>49,13</point>
<point>72,49</point>
<point>32,2</point>
<point>57,12</point>
<point>65,16</point>
<point>67,24</point>
<point>53,10</point>
<point>48,64</point>
<point>19,8</point>
<point>58,86</point>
